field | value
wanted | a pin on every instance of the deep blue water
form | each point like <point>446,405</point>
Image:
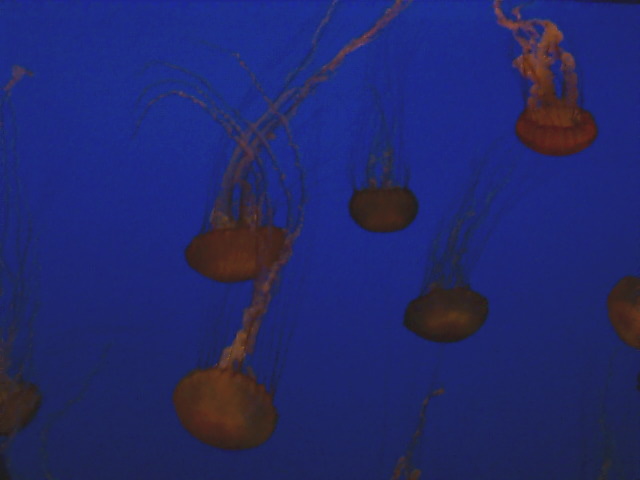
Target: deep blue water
<point>544,390</point>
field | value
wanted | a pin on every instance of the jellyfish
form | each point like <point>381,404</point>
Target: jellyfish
<point>384,204</point>
<point>624,310</point>
<point>224,405</point>
<point>448,309</point>
<point>552,123</point>
<point>19,399</point>
<point>404,466</point>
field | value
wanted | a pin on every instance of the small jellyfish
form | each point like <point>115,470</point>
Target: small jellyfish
<point>385,204</point>
<point>552,123</point>
<point>447,314</point>
<point>448,309</point>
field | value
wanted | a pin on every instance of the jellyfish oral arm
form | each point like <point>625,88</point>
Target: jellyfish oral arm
<point>245,339</point>
<point>17,72</point>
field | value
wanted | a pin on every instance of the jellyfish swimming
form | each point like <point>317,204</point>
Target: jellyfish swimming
<point>19,399</point>
<point>553,122</point>
<point>623,305</point>
<point>384,204</point>
<point>224,405</point>
<point>448,309</point>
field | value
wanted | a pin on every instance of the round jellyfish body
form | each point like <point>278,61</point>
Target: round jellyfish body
<point>556,130</point>
<point>225,408</point>
<point>447,314</point>
<point>383,210</point>
<point>235,254</point>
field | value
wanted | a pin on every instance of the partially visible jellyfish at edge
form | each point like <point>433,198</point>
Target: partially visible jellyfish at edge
<point>552,123</point>
<point>448,309</point>
<point>624,310</point>
<point>224,405</point>
<point>623,305</point>
<point>19,399</point>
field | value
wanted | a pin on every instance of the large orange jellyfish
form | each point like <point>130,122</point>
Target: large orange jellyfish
<point>385,204</point>
<point>552,123</point>
<point>447,309</point>
<point>224,406</point>
<point>19,399</point>
<point>624,311</point>
<point>404,469</point>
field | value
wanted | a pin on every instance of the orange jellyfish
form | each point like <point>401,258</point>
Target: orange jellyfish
<point>385,204</point>
<point>224,405</point>
<point>19,399</point>
<point>404,466</point>
<point>624,311</point>
<point>552,123</point>
<point>448,310</point>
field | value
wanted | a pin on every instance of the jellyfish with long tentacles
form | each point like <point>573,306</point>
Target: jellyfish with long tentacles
<point>404,469</point>
<point>385,204</point>
<point>448,310</point>
<point>553,122</point>
<point>19,399</point>
<point>224,405</point>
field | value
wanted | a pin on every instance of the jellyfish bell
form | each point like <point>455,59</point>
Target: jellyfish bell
<point>19,403</point>
<point>624,310</point>
<point>383,210</point>
<point>556,130</point>
<point>551,123</point>
<point>385,204</point>
<point>225,408</point>
<point>235,254</point>
<point>447,314</point>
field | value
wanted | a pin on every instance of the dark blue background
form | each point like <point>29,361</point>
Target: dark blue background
<point>525,398</point>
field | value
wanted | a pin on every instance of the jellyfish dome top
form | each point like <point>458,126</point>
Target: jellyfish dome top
<point>623,304</point>
<point>447,314</point>
<point>550,124</point>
